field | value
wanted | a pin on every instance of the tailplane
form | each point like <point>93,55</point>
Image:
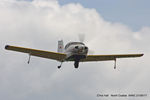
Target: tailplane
<point>60,46</point>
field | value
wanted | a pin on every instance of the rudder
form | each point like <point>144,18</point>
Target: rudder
<point>60,46</point>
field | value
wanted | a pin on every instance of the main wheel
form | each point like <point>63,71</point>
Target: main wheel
<point>58,67</point>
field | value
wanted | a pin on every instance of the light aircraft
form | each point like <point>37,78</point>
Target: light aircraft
<point>73,51</point>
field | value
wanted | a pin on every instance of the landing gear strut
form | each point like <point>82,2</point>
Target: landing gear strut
<point>76,64</point>
<point>29,58</point>
<point>115,64</point>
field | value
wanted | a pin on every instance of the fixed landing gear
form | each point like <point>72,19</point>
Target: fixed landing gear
<point>60,65</point>
<point>76,64</point>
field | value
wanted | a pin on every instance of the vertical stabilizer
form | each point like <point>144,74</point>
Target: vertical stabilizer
<point>60,46</point>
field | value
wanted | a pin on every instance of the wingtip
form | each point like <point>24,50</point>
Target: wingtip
<point>140,55</point>
<point>6,47</point>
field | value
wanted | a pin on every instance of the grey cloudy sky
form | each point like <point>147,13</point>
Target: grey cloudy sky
<point>133,13</point>
<point>40,24</point>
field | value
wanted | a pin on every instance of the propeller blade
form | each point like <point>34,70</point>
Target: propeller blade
<point>91,52</point>
<point>81,37</point>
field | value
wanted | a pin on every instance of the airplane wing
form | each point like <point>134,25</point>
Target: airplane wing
<point>109,57</point>
<point>38,53</point>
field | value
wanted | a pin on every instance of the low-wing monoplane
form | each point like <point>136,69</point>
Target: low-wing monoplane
<point>73,51</point>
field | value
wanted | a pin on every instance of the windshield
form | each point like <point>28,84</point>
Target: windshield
<point>73,43</point>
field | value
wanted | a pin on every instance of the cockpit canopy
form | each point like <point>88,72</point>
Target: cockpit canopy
<point>73,43</point>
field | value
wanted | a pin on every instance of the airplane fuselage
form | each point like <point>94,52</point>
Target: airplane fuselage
<point>75,51</point>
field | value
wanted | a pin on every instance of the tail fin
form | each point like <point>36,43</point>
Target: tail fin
<point>60,46</point>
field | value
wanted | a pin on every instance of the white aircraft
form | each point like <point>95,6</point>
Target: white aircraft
<point>73,51</point>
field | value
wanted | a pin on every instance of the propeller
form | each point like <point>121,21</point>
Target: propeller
<point>82,39</point>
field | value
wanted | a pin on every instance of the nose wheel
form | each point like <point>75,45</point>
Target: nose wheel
<point>76,64</point>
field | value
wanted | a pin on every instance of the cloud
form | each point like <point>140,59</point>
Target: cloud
<point>40,24</point>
